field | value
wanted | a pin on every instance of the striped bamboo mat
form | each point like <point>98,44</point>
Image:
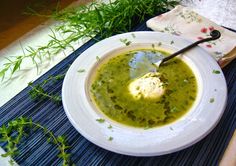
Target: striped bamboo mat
<point>34,150</point>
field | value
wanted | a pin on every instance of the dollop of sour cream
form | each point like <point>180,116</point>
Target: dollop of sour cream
<point>148,86</point>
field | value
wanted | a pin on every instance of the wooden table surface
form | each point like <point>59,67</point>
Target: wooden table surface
<point>14,22</point>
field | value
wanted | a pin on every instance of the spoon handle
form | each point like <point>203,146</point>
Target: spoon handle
<point>215,34</point>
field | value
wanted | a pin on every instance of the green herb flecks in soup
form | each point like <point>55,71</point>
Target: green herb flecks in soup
<point>154,99</point>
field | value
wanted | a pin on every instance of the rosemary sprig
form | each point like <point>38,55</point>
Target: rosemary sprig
<point>87,21</point>
<point>37,91</point>
<point>17,129</point>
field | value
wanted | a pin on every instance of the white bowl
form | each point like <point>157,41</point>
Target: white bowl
<point>184,132</point>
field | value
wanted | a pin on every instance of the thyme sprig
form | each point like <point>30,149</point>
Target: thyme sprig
<point>17,129</point>
<point>37,91</point>
<point>88,21</point>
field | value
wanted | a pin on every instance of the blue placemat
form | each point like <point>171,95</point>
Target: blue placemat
<point>34,150</point>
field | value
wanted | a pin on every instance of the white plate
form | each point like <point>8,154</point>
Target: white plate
<point>186,131</point>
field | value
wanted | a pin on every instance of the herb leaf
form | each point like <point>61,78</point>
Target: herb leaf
<point>98,58</point>
<point>125,41</point>
<point>37,91</point>
<point>212,100</point>
<point>88,21</point>
<point>173,110</point>
<point>100,120</point>
<point>81,70</point>
<point>216,71</point>
<point>16,129</point>
<point>133,35</point>
<point>110,138</point>
<point>109,127</point>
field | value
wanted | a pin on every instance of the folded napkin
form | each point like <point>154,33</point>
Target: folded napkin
<point>183,21</point>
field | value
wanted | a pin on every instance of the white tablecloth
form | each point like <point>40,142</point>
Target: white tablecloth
<point>222,12</point>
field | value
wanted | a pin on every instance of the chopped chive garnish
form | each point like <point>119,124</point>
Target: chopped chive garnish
<point>153,46</point>
<point>172,42</point>
<point>212,100</point>
<point>81,70</point>
<point>97,58</point>
<point>100,120</point>
<point>147,127</point>
<point>133,35</point>
<point>216,71</point>
<point>159,44</point>
<point>186,81</point>
<point>109,127</point>
<point>174,109</point>
<point>125,41</point>
<point>191,98</point>
<point>110,138</point>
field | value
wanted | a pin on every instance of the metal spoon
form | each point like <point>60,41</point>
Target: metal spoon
<point>215,34</point>
<point>145,62</point>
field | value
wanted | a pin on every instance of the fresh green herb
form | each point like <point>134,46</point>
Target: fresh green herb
<point>212,100</point>
<point>125,41</point>
<point>171,128</point>
<point>174,109</point>
<point>81,71</point>
<point>15,130</point>
<point>164,84</point>
<point>147,128</point>
<point>53,79</point>
<point>37,91</point>
<point>172,42</point>
<point>83,22</point>
<point>186,81</point>
<point>192,98</point>
<point>100,120</point>
<point>35,54</point>
<point>159,44</point>
<point>110,138</point>
<point>216,71</point>
<point>133,35</point>
<point>153,46</point>
<point>98,58</point>
<point>109,127</point>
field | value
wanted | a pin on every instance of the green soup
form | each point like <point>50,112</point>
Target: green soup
<point>109,91</point>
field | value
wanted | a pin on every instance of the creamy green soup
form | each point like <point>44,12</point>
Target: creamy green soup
<point>110,92</point>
